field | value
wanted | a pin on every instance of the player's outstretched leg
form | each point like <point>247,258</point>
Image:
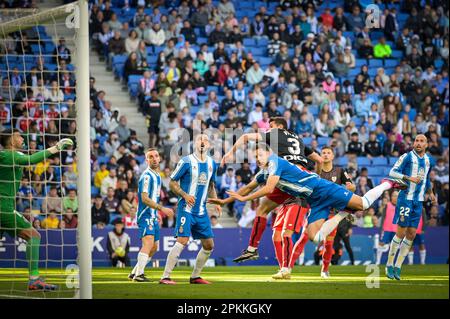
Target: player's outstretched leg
<point>202,258</point>
<point>259,225</point>
<point>356,203</point>
<point>298,248</point>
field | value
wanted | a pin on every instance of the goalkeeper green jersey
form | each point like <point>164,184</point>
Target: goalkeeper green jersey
<point>11,171</point>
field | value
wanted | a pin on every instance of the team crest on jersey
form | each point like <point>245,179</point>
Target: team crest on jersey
<point>150,226</point>
<point>180,230</point>
<point>421,173</point>
<point>402,218</point>
<point>202,179</point>
<point>334,178</point>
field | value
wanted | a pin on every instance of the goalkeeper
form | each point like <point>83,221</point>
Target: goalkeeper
<point>12,162</point>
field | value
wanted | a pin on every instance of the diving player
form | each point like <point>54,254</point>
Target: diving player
<point>290,147</point>
<point>12,162</point>
<point>195,174</point>
<point>149,191</point>
<point>321,195</point>
<point>414,168</point>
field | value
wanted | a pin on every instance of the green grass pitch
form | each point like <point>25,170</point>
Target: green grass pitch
<point>423,282</point>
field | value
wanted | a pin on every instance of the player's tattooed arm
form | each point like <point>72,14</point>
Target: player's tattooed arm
<point>245,190</point>
<point>175,187</point>
<point>263,191</point>
<point>152,204</point>
<point>245,138</point>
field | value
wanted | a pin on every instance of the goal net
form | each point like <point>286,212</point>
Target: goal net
<point>40,102</point>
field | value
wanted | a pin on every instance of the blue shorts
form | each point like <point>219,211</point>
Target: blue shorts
<point>419,239</point>
<point>408,213</point>
<point>149,227</point>
<point>386,236</point>
<point>326,196</point>
<point>199,227</point>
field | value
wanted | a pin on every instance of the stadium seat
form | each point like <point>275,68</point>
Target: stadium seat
<point>375,63</point>
<point>375,171</point>
<point>444,141</point>
<point>94,191</point>
<point>341,161</point>
<point>363,161</point>
<point>133,81</point>
<point>397,54</point>
<point>307,140</point>
<point>322,141</point>
<point>392,160</point>
<point>102,159</point>
<point>263,42</point>
<point>379,161</point>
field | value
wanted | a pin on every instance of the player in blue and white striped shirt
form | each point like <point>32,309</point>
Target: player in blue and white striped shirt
<point>149,191</point>
<point>413,168</point>
<point>193,181</point>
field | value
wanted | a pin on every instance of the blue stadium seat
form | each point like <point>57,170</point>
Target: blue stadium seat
<point>374,63</point>
<point>444,141</point>
<point>375,171</point>
<point>391,63</point>
<point>102,159</point>
<point>94,191</point>
<point>362,161</point>
<point>307,140</point>
<point>322,141</point>
<point>379,161</point>
<point>397,54</point>
<point>392,160</point>
<point>263,42</point>
<point>140,159</point>
<point>438,63</point>
<point>341,161</point>
<point>249,42</point>
<point>387,170</point>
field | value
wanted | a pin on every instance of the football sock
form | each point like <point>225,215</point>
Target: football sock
<point>380,251</point>
<point>32,253</point>
<point>141,263</point>
<point>423,256</point>
<point>329,226</point>
<point>298,249</point>
<point>301,260</point>
<point>405,247</point>
<point>172,259</point>
<point>393,247</point>
<point>259,225</point>
<point>410,258</point>
<point>328,253</point>
<point>136,267</point>
<point>374,194</point>
<point>278,245</point>
<point>288,245</point>
<point>200,262</point>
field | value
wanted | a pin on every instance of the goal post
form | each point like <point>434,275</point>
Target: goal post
<point>84,177</point>
<point>71,16</point>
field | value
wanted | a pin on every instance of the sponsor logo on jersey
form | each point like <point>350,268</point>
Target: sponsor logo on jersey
<point>202,179</point>
<point>334,178</point>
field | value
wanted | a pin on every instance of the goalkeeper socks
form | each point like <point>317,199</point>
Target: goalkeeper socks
<point>329,226</point>
<point>374,194</point>
<point>410,258</point>
<point>298,249</point>
<point>200,262</point>
<point>405,247</point>
<point>33,256</point>
<point>328,253</point>
<point>172,259</point>
<point>288,246</point>
<point>259,225</point>
<point>393,247</point>
<point>278,245</point>
<point>142,259</point>
<point>423,256</point>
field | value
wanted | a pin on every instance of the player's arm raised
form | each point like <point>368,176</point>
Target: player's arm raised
<point>19,158</point>
<point>152,204</point>
<point>175,187</point>
<point>263,191</point>
<point>313,156</point>
<point>245,138</point>
<point>245,190</point>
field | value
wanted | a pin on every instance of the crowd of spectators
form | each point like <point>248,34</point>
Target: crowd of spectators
<point>367,91</point>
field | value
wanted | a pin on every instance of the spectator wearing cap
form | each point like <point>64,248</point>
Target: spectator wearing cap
<point>118,243</point>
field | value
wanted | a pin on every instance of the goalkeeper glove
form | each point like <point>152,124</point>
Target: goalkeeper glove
<point>61,145</point>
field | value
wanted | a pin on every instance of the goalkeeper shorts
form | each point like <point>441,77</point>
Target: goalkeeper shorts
<point>13,222</point>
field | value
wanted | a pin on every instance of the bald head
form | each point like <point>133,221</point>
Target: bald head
<point>420,144</point>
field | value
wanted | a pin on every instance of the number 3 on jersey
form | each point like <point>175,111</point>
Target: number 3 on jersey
<point>295,149</point>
